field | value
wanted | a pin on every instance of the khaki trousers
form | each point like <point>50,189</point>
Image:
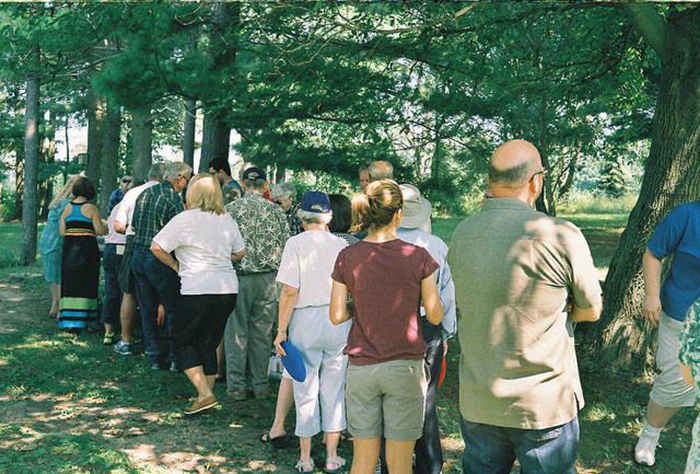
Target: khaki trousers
<point>248,332</point>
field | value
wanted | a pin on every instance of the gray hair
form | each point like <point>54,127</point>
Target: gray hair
<point>155,172</point>
<point>515,175</point>
<point>315,217</point>
<point>284,191</point>
<point>379,170</point>
<point>176,169</point>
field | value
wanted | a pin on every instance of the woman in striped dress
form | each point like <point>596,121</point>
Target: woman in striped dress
<point>80,263</point>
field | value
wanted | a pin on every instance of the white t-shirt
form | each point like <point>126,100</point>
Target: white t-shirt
<point>128,204</point>
<point>113,237</point>
<point>307,264</point>
<point>203,243</point>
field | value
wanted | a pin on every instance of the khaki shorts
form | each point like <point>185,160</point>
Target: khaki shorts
<point>670,390</point>
<point>387,399</point>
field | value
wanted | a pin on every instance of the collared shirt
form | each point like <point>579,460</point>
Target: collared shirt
<point>443,278</point>
<point>125,215</point>
<point>114,199</point>
<point>514,270</point>
<point>690,340</point>
<point>113,237</point>
<point>265,231</point>
<point>295,227</point>
<point>232,191</point>
<point>154,208</point>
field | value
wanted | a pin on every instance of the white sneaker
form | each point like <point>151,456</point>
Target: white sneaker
<point>645,451</point>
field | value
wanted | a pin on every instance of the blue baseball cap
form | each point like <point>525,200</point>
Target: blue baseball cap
<point>316,201</point>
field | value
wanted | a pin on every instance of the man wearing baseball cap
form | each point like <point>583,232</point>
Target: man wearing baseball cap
<point>416,218</point>
<point>248,331</point>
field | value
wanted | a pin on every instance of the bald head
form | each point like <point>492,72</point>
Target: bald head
<point>381,169</point>
<point>513,163</point>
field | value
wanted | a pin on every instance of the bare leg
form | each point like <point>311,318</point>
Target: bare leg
<point>365,455</point>
<point>211,380</point>
<point>109,329</point>
<point>285,399</point>
<point>127,315</point>
<point>658,416</point>
<point>200,382</point>
<point>55,299</point>
<point>332,439</point>
<point>399,456</point>
<point>305,449</point>
<point>221,359</point>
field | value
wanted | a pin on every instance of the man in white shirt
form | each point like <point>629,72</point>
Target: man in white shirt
<point>122,224</point>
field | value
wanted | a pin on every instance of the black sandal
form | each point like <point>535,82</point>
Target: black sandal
<point>276,442</point>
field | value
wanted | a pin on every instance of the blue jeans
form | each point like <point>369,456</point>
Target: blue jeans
<point>493,449</point>
<point>113,294</point>
<point>155,283</point>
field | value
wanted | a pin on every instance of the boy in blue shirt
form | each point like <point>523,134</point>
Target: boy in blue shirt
<point>667,304</point>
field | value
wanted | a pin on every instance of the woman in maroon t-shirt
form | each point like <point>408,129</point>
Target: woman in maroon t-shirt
<point>386,380</point>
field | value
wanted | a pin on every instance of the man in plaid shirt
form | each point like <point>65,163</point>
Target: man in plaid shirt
<point>155,282</point>
<point>248,331</point>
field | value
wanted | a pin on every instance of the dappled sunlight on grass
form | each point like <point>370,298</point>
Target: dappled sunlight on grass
<point>69,405</point>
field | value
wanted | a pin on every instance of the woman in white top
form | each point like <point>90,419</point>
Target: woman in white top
<point>206,241</point>
<point>305,276</point>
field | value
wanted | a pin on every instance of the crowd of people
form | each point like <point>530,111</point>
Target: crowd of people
<point>369,297</point>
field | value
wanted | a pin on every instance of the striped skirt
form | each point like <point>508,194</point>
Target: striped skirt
<point>80,272</point>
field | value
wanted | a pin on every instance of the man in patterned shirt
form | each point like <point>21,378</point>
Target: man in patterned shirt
<point>248,331</point>
<point>155,282</point>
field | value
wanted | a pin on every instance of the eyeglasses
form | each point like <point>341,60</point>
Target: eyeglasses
<point>186,178</point>
<point>542,172</point>
<point>126,180</point>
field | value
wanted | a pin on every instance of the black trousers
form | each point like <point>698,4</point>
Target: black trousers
<point>198,326</point>
<point>428,449</point>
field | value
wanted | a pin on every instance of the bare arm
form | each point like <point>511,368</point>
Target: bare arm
<point>97,223</point>
<point>165,257</point>
<point>589,315</point>
<point>62,221</point>
<point>237,256</point>
<point>687,375</point>
<point>339,311</point>
<point>652,287</point>
<point>288,298</point>
<point>431,300</point>
<point>120,227</point>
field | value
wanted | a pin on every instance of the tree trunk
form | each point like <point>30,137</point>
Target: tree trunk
<point>188,139</point>
<point>672,176</point>
<point>215,141</point>
<point>222,48</point>
<point>49,159</point>
<point>142,142</point>
<point>111,135</point>
<point>67,166</point>
<point>15,103</point>
<point>19,180</point>
<point>31,166</point>
<point>95,116</point>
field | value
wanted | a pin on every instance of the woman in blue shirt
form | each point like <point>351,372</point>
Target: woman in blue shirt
<point>51,243</point>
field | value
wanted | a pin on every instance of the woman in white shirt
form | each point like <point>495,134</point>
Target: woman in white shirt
<point>305,276</point>
<point>206,241</point>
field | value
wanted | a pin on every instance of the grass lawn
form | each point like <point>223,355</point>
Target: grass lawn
<point>69,405</point>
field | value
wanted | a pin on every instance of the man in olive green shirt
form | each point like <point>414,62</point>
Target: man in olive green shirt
<point>521,279</point>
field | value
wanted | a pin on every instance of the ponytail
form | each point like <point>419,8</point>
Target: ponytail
<point>377,206</point>
<point>360,213</point>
